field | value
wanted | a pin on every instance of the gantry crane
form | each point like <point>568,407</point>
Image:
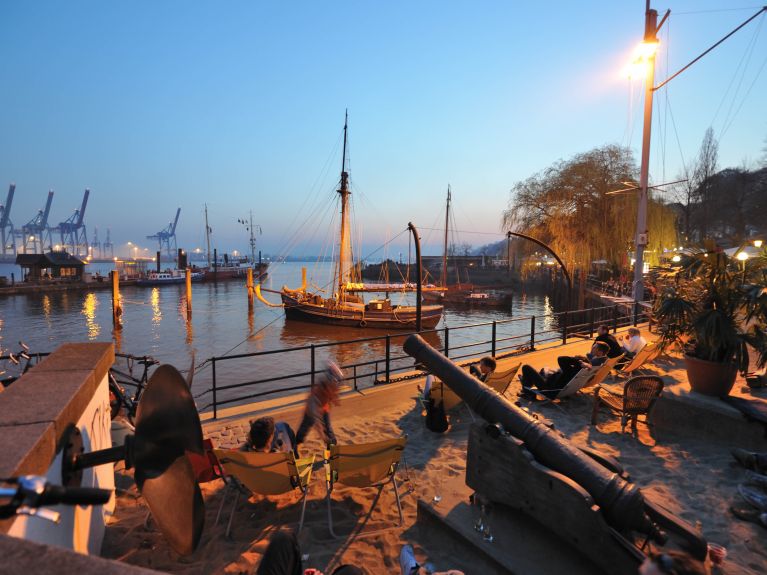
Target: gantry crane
<point>72,231</point>
<point>35,232</point>
<point>6,226</point>
<point>167,236</point>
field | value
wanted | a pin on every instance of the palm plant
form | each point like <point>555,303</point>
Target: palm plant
<point>715,307</point>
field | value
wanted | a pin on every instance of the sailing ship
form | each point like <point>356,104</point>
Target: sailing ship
<point>344,307</point>
<point>461,294</point>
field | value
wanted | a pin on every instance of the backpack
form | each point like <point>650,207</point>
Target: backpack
<point>436,418</point>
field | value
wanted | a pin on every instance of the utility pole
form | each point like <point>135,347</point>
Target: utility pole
<point>640,240</point>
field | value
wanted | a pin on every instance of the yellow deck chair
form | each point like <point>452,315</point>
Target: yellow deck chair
<point>644,356</point>
<point>266,474</point>
<point>501,380</point>
<point>364,465</point>
<point>604,370</point>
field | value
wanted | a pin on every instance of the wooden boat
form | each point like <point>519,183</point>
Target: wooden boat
<point>343,307</point>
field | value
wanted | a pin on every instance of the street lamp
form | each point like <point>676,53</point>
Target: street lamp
<point>757,243</point>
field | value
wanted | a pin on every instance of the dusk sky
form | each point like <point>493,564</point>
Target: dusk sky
<point>155,105</point>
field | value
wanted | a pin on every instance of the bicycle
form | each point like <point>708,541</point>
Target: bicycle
<point>19,363</point>
<point>31,492</point>
<point>119,398</point>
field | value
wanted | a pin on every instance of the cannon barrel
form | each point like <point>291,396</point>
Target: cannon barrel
<point>622,502</point>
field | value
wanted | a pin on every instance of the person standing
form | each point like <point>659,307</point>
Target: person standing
<point>323,395</point>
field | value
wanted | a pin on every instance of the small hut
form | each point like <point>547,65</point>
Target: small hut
<point>53,266</point>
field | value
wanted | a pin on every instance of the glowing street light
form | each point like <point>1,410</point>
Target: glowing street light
<point>742,256</point>
<point>757,243</point>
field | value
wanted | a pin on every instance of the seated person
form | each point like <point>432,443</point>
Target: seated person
<point>633,342</point>
<point>487,366</point>
<point>269,437</point>
<point>555,379</point>
<point>603,334</point>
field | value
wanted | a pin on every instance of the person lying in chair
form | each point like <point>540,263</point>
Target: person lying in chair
<point>548,379</point>
<point>487,366</point>
<point>267,436</point>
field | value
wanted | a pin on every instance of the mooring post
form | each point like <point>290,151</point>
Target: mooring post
<point>249,285</point>
<point>188,272</point>
<point>157,266</point>
<point>215,265</point>
<point>117,310</point>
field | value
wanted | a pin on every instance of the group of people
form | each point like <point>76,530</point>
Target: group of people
<point>550,381</point>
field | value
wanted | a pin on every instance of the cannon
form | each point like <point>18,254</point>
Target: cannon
<point>533,465</point>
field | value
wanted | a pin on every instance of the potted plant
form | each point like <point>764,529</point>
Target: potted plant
<point>714,307</point>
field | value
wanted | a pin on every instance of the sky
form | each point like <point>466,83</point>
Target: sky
<point>240,105</point>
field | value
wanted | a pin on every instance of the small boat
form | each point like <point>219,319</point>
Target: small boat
<point>342,307</point>
<point>234,268</point>
<point>168,277</point>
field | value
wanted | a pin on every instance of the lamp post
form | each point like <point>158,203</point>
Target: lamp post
<point>649,47</point>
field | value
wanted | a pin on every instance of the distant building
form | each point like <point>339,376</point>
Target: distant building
<point>53,266</point>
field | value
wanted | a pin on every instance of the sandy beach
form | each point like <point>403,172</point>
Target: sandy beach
<point>692,475</point>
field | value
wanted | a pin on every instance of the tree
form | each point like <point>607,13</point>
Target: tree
<point>704,170</point>
<point>567,206</point>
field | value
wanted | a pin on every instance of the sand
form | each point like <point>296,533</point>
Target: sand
<point>695,478</point>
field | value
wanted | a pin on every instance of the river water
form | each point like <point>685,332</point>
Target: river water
<point>154,323</point>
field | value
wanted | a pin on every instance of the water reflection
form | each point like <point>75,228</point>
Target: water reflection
<point>47,307</point>
<point>90,304</point>
<point>154,299</point>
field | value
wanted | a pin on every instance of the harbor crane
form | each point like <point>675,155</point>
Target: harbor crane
<point>167,237</point>
<point>37,230</point>
<point>6,226</point>
<point>108,246</point>
<point>72,231</point>
<point>95,244</point>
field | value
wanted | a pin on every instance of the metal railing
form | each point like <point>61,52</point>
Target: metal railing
<point>505,338</point>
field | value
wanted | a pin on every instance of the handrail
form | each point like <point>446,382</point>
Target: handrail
<point>383,368</point>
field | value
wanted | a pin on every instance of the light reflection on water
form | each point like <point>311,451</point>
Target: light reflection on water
<point>154,323</point>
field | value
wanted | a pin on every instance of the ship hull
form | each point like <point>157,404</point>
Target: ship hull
<point>397,318</point>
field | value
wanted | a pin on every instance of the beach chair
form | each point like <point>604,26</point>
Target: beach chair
<point>581,379</point>
<point>364,465</point>
<point>638,398</point>
<point>643,357</point>
<point>265,474</point>
<point>501,380</point>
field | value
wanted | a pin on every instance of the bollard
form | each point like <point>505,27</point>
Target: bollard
<point>249,285</point>
<point>117,310</point>
<point>188,294</point>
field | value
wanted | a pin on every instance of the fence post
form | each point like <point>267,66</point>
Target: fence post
<point>615,318</point>
<point>636,312</point>
<point>388,357</point>
<point>312,363</point>
<point>215,405</point>
<point>492,349</point>
<point>564,330</point>
<point>591,322</point>
<point>447,342</point>
<point>532,333</point>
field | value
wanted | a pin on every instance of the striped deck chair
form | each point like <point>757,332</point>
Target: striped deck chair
<point>364,465</point>
<point>644,356</point>
<point>266,474</point>
<point>581,379</point>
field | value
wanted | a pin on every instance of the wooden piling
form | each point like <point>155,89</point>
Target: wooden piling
<point>249,285</point>
<point>117,310</point>
<point>188,293</point>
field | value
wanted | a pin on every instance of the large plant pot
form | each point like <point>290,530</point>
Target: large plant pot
<point>710,377</point>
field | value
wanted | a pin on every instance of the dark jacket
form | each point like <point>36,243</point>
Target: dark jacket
<point>615,348</point>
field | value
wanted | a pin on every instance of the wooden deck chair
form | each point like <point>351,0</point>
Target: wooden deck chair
<point>266,474</point>
<point>364,465</point>
<point>604,370</point>
<point>581,379</point>
<point>638,398</point>
<point>501,380</point>
<point>644,356</point>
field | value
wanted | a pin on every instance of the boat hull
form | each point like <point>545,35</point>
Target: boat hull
<point>235,273</point>
<point>196,277</point>
<point>397,318</point>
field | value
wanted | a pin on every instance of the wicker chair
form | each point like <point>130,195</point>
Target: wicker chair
<point>638,398</point>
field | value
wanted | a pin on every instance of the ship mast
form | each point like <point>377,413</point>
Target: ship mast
<point>344,259</point>
<point>444,252</point>
<point>207,233</point>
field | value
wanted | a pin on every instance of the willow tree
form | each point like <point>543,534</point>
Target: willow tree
<point>567,206</point>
